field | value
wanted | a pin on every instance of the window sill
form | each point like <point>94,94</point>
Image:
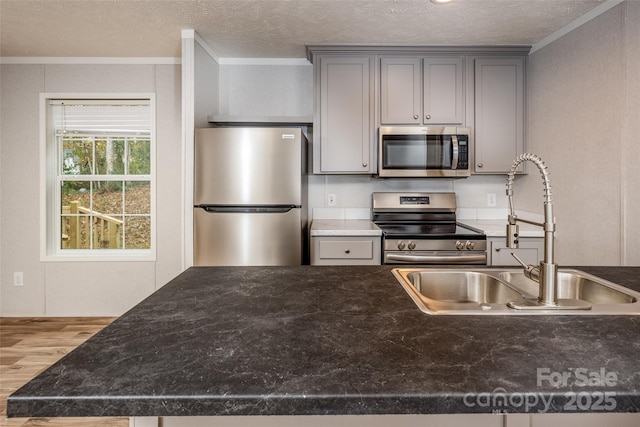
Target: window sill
<point>106,256</point>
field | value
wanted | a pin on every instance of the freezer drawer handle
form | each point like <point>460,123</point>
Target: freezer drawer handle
<point>249,209</point>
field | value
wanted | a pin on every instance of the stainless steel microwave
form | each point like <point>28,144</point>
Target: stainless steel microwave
<point>423,151</point>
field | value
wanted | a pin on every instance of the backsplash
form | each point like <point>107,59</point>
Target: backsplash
<point>353,194</point>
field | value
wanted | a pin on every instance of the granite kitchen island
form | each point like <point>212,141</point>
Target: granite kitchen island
<point>343,340</point>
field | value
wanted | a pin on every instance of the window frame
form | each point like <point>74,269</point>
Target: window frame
<point>51,213</point>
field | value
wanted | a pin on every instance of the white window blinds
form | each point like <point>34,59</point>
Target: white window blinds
<point>103,117</point>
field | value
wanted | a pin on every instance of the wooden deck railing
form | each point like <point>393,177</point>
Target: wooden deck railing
<point>77,229</point>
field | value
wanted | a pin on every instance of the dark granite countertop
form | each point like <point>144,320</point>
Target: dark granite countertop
<point>335,340</point>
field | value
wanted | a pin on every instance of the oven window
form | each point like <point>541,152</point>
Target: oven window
<point>416,152</point>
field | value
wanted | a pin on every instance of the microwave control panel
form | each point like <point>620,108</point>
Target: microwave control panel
<point>463,151</point>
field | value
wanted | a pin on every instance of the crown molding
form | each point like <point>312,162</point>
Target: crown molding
<point>592,14</point>
<point>395,49</point>
<point>263,61</point>
<point>86,60</point>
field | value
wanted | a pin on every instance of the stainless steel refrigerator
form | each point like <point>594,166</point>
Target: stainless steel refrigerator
<point>250,196</point>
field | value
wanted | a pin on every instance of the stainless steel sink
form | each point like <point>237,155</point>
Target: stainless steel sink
<point>487,291</point>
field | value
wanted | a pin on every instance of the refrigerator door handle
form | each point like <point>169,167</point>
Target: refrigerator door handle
<point>248,209</point>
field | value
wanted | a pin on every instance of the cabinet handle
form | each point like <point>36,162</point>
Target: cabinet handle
<point>480,165</point>
<point>364,164</point>
<point>428,116</point>
<point>415,116</point>
<point>348,251</point>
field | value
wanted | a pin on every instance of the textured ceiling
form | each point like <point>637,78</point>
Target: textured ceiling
<point>270,28</point>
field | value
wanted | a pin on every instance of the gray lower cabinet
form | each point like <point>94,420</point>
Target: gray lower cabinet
<point>415,90</point>
<point>531,251</point>
<point>344,94</point>
<point>499,113</point>
<point>345,250</point>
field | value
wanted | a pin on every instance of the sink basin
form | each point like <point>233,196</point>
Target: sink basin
<point>442,291</point>
<point>575,285</point>
<point>487,291</point>
<point>461,287</point>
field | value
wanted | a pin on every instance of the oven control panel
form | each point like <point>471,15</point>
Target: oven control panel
<point>468,245</point>
<point>402,245</point>
<point>434,245</point>
<point>440,251</point>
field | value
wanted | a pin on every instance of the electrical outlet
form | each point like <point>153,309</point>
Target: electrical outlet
<point>491,200</point>
<point>18,278</point>
<point>331,199</point>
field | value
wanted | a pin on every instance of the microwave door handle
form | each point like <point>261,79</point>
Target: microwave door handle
<point>454,159</point>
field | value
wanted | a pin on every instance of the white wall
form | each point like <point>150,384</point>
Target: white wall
<point>252,90</point>
<point>631,130</point>
<point>200,99</point>
<point>583,113</point>
<point>80,288</point>
<point>206,93</point>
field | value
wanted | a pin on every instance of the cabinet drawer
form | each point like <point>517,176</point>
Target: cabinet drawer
<point>346,249</point>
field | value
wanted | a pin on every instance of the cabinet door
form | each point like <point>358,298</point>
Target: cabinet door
<point>443,91</point>
<point>344,143</point>
<point>415,94</point>
<point>499,113</point>
<point>530,251</point>
<point>400,94</point>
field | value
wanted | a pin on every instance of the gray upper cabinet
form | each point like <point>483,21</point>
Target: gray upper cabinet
<point>400,91</point>
<point>499,113</point>
<point>358,88</point>
<point>416,90</point>
<point>443,98</point>
<point>344,111</point>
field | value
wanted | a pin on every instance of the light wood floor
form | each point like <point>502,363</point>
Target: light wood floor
<point>30,345</point>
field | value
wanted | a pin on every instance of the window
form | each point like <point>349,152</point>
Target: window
<point>99,181</point>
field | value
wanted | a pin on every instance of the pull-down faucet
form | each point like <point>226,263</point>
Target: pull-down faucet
<point>546,274</point>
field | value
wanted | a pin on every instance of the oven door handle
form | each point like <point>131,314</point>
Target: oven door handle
<point>438,259</point>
